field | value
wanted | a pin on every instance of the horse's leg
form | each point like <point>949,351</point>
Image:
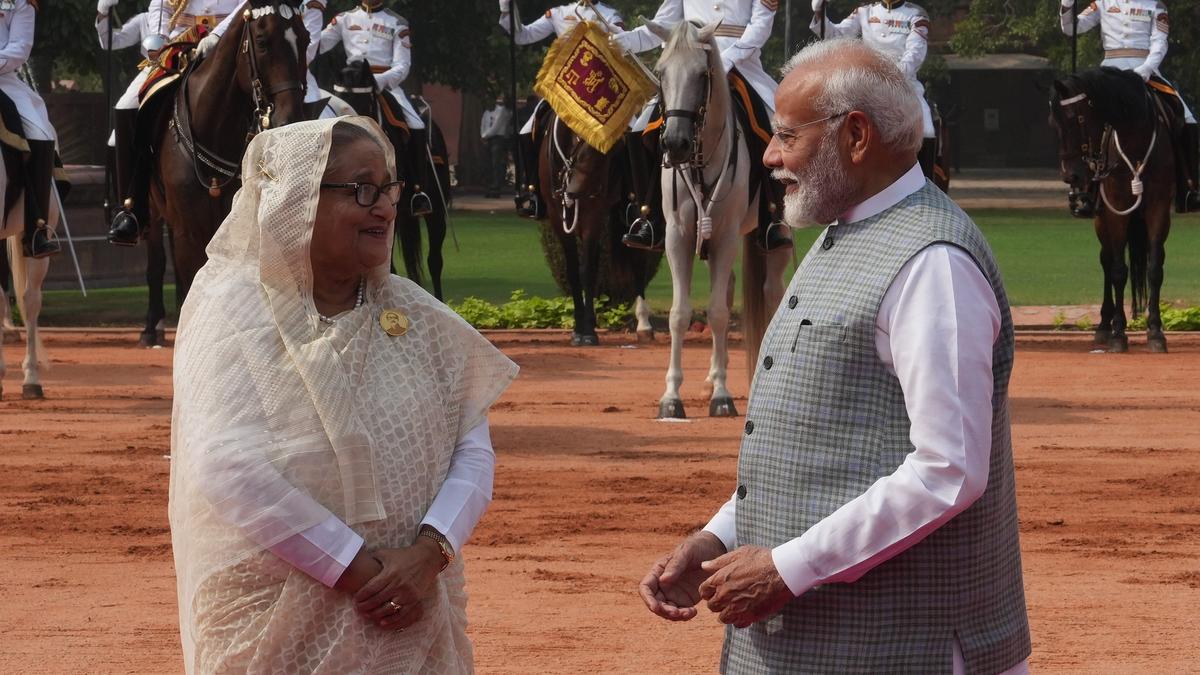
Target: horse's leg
<point>31,306</point>
<point>641,308</point>
<point>1116,273</point>
<point>570,246</point>
<point>1158,223</point>
<point>156,270</point>
<point>681,252</point>
<point>589,262</point>
<point>5,246</point>
<point>720,264</point>
<point>436,225</point>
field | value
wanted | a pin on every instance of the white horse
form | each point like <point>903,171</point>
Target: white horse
<point>708,208</point>
<point>28,275</point>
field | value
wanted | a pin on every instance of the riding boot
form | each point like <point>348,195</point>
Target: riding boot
<point>529,200</point>
<point>420,204</point>
<point>927,157</point>
<point>38,241</point>
<point>773,234</point>
<point>132,185</point>
<point>645,229</point>
<point>1189,158</point>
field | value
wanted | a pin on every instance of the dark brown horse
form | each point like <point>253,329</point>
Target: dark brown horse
<point>585,195</point>
<point>253,79</point>
<point>423,164</point>
<point>1115,145</point>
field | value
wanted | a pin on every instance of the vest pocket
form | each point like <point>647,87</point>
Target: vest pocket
<point>819,332</point>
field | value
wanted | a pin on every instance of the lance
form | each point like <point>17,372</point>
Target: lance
<point>512,92</point>
<point>822,13</point>
<point>1074,35</point>
<point>108,108</point>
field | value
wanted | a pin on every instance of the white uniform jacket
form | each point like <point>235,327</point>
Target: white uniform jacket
<point>17,19</point>
<point>562,19</point>
<point>383,39</point>
<point>900,33</point>
<point>745,27</point>
<point>215,14</point>
<point>130,34</point>
<point>1134,34</point>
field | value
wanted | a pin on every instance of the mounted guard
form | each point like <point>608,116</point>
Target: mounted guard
<point>1134,34</point>
<point>557,22</point>
<point>25,127</point>
<point>744,27</point>
<point>173,30</point>
<point>900,31</point>
<point>131,33</point>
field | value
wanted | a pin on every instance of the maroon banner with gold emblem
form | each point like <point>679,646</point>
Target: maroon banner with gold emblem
<point>591,86</point>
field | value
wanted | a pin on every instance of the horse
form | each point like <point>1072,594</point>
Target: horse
<point>939,170</point>
<point>420,164</point>
<point>252,80</point>
<point>28,275</point>
<point>707,202</point>
<point>1114,142</point>
<point>586,190</point>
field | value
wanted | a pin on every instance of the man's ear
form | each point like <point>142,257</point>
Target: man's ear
<point>859,134</point>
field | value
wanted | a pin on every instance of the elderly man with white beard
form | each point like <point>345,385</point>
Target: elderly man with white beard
<point>873,527</point>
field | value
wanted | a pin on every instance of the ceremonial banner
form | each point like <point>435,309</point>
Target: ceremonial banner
<point>592,87</point>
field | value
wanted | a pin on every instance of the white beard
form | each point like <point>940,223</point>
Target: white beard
<point>823,189</point>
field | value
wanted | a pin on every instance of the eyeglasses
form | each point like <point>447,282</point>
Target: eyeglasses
<point>787,135</point>
<point>366,194</point>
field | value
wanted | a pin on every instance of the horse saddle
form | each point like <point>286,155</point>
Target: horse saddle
<point>393,115</point>
<point>174,59</point>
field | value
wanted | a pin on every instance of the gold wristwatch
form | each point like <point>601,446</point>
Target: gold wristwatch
<point>442,542</point>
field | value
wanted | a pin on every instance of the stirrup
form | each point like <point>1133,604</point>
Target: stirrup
<point>125,229</point>
<point>634,239</point>
<point>49,247</point>
<point>420,204</point>
<point>530,206</point>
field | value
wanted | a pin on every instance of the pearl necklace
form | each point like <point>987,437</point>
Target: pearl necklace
<point>358,301</point>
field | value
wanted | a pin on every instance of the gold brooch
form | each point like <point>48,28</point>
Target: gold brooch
<point>394,322</point>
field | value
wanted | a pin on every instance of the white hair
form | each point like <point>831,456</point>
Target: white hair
<point>876,88</point>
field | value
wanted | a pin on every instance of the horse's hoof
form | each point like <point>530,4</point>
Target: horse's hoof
<point>584,340</point>
<point>722,407</point>
<point>31,392</point>
<point>1101,337</point>
<point>645,336</point>
<point>146,340</point>
<point>1157,344</point>
<point>671,410</point>
<point>1118,344</point>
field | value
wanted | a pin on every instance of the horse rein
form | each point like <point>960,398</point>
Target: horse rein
<point>1098,162</point>
<point>564,177</point>
<point>263,103</point>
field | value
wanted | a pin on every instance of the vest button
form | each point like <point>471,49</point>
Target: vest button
<point>749,427</point>
<point>741,492</point>
<point>792,302</point>
<point>768,362</point>
<point>827,243</point>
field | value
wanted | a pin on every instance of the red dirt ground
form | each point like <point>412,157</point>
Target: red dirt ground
<point>589,490</point>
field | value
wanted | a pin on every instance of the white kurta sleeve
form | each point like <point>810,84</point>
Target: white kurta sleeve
<point>936,328</point>
<point>467,490</point>
<point>401,61</point>
<point>757,32</point>
<point>640,39</point>
<point>724,523</point>
<point>1088,19</point>
<point>846,28</point>
<point>528,34</point>
<point>20,39</point>
<point>331,36</point>
<point>915,46</point>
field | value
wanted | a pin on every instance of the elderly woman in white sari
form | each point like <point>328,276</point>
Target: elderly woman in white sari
<point>330,448</point>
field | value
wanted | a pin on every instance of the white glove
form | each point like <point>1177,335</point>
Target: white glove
<point>1144,72</point>
<point>624,41</point>
<point>102,6</point>
<point>818,4</point>
<point>207,44</point>
<point>505,6</point>
<point>727,58</point>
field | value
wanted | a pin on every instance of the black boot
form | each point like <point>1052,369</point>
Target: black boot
<point>1189,155</point>
<point>125,229</point>
<point>528,199</point>
<point>927,157</point>
<point>38,241</point>
<point>646,229</point>
<point>773,234</point>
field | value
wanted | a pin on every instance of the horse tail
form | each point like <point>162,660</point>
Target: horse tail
<point>755,313</point>
<point>20,272</point>
<point>408,230</point>
<point>1139,261</point>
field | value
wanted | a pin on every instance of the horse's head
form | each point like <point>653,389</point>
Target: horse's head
<point>271,46</point>
<point>586,170</point>
<point>1082,106</point>
<point>355,85</point>
<point>689,63</point>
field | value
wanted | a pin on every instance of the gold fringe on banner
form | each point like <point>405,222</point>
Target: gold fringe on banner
<point>592,87</point>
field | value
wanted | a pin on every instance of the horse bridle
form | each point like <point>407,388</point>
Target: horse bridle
<point>263,103</point>
<point>1094,158</point>
<point>697,117</point>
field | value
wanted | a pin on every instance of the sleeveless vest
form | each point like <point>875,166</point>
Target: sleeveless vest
<point>824,422</point>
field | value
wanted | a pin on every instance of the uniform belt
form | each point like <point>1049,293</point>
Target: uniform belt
<point>380,69</point>
<point>727,30</point>
<point>207,20</point>
<point>1126,53</point>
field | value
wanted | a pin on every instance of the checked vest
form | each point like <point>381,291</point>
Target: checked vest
<point>825,421</point>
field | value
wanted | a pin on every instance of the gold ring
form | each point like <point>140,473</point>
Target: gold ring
<point>393,605</point>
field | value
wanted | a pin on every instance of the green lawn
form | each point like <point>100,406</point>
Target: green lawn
<point>1047,259</point>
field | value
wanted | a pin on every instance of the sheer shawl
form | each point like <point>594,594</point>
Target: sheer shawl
<point>279,422</point>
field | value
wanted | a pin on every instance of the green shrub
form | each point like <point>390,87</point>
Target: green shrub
<point>1184,318</point>
<point>522,311</point>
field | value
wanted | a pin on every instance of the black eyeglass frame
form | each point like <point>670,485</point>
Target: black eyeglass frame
<point>358,191</point>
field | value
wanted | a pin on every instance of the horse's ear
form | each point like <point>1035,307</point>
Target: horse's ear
<point>705,33</point>
<point>660,31</point>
